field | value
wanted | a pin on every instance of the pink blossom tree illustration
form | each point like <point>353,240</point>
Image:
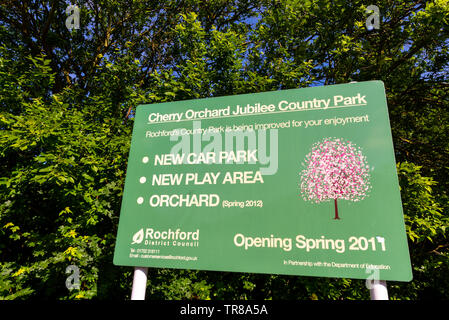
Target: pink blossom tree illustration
<point>335,169</point>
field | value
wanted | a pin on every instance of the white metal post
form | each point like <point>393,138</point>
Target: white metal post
<point>139,283</point>
<point>378,290</point>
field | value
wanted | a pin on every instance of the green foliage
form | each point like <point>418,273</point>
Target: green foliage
<point>67,100</point>
<point>64,170</point>
<point>11,283</point>
<point>423,216</point>
<point>426,229</point>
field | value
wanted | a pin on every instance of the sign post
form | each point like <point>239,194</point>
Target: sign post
<point>378,290</point>
<point>139,283</point>
<point>299,182</point>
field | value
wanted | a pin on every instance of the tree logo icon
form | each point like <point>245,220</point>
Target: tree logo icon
<point>138,237</point>
<point>335,169</point>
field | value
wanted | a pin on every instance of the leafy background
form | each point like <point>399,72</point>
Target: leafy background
<point>67,99</point>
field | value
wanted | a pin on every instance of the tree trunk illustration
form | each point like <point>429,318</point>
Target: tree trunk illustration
<point>336,210</point>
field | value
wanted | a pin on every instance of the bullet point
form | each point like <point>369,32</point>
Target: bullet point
<point>143,180</point>
<point>145,159</point>
<point>140,200</point>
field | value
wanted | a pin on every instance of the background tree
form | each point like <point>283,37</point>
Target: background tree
<point>67,100</point>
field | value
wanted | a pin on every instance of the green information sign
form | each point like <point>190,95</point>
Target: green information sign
<point>299,182</point>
